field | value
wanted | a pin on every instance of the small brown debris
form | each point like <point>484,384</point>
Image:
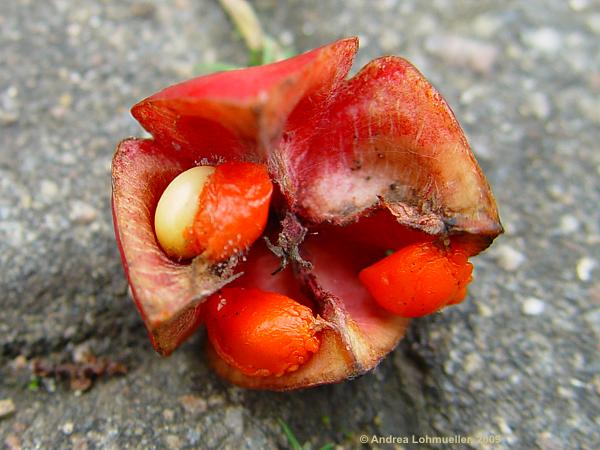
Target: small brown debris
<point>143,10</point>
<point>12,442</point>
<point>7,408</point>
<point>193,404</point>
<point>19,363</point>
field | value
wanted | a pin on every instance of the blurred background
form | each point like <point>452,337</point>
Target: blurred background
<point>518,361</point>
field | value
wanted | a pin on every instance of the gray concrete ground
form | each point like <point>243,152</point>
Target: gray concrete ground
<point>518,361</point>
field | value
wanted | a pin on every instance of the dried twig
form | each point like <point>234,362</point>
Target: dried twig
<point>246,21</point>
<point>81,375</point>
<point>262,48</point>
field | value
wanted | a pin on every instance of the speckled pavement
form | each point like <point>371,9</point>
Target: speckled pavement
<point>516,364</point>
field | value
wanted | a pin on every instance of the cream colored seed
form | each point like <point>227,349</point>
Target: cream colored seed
<point>177,208</point>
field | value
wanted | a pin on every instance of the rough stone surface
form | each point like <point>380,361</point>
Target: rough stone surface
<point>517,361</point>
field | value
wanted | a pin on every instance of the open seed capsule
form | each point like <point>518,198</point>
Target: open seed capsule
<point>361,165</point>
